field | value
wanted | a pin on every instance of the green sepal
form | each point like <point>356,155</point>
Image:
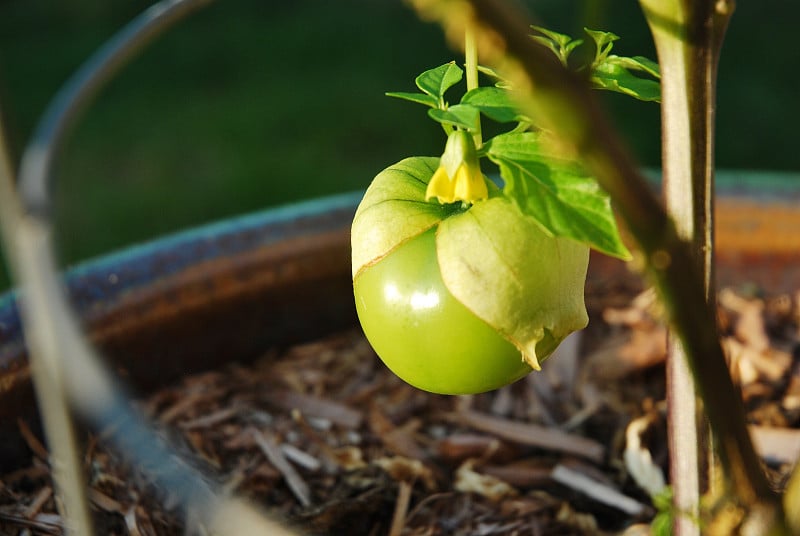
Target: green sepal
<point>556,192</point>
<point>523,282</point>
<point>394,210</point>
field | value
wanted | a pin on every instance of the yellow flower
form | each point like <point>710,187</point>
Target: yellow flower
<point>458,177</point>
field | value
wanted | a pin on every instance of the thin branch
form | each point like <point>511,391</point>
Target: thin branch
<point>64,457</point>
<point>688,53</point>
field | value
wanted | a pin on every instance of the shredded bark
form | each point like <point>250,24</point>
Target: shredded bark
<point>324,436</point>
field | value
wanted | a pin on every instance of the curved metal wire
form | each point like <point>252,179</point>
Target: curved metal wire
<point>61,356</point>
<point>77,93</point>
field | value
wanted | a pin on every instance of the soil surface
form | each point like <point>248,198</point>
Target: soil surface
<point>324,436</point>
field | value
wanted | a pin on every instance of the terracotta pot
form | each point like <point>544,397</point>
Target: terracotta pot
<point>230,290</point>
<point>197,299</point>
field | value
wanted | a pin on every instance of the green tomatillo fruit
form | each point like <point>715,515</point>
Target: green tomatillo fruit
<point>425,335</point>
<point>458,298</point>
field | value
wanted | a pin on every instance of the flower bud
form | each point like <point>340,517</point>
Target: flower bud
<point>458,177</point>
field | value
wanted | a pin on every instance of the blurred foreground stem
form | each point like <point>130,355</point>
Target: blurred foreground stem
<point>51,391</point>
<point>68,372</point>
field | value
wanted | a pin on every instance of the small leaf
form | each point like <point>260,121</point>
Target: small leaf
<point>493,102</point>
<point>435,82</point>
<point>394,210</point>
<point>613,73</point>
<point>663,521</point>
<point>549,44</point>
<point>572,45</point>
<point>500,82</point>
<point>604,41</point>
<point>562,45</point>
<point>421,98</point>
<point>613,77</point>
<point>502,267</point>
<point>518,146</point>
<point>555,37</point>
<point>554,192</point>
<point>460,115</point>
<point>636,63</point>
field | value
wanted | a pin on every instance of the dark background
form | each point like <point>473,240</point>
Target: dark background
<point>253,103</point>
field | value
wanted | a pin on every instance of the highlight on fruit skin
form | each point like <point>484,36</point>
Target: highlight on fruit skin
<point>458,177</point>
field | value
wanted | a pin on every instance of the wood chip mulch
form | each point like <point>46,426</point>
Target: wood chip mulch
<point>324,436</point>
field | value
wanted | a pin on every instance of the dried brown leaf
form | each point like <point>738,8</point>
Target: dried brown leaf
<point>275,456</point>
<point>467,480</point>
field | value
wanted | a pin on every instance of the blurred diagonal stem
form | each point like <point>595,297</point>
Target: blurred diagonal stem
<point>65,458</point>
<point>562,102</point>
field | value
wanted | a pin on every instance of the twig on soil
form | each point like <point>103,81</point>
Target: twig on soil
<point>275,456</point>
<point>777,444</point>
<point>36,505</point>
<point>401,508</point>
<point>314,406</point>
<point>533,435</point>
<point>52,524</point>
<point>32,441</point>
<point>596,490</point>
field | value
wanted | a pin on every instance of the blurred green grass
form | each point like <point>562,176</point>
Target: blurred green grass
<point>250,103</point>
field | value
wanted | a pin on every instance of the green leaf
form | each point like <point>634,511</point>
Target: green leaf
<point>421,98</point>
<point>562,45</point>
<point>460,115</point>
<point>500,82</point>
<point>663,521</point>
<point>604,41</point>
<point>637,63</point>
<point>612,76</point>
<point>613,73</point>
<point>549,44</point>
<point>394,210</point>
<point>554,37</point>
<point>556,193</point>
<point>435,82</point>
<point>505,269</point>
<point>493,102</point>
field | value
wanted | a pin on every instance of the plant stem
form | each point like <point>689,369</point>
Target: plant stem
<point>51,393</point>
<point>52,330</point>
<point>471,57</point>
<point>471,66</point>
<point>565,104</point>
<point>688,51</point>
